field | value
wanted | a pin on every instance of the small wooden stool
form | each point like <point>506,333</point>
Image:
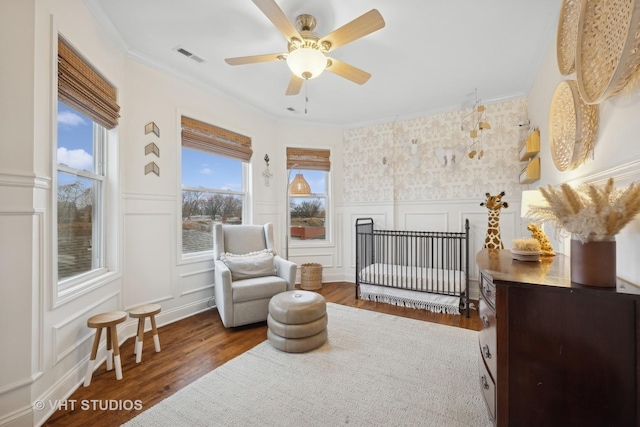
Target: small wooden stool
<point>109,321</point>
<point>141,313</point>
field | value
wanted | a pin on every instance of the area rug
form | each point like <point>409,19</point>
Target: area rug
<point>375,370</point>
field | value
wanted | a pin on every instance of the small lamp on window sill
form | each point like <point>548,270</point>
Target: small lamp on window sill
<point>298,187</point>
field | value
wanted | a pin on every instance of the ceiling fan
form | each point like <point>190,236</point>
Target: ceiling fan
<point>306,51</point>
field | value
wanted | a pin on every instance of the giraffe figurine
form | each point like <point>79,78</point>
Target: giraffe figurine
<point>494,204</point>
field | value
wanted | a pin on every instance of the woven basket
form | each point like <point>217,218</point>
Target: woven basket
<point>608,47</point>
<point>311,276</point>
<point>573,126</point>
<point>567,38</point>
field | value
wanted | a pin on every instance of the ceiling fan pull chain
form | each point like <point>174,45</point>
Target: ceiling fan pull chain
<point>306,96</point>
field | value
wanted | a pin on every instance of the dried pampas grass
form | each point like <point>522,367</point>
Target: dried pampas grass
<point>588,211</point>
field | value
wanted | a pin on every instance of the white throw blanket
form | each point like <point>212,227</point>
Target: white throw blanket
<point>413,287</point>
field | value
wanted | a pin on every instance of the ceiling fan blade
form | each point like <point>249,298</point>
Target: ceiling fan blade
<point>271,9</point>
<point>349,72</point>
<point>295,84</point>
<point>241,60</point>
<point>359,27</point>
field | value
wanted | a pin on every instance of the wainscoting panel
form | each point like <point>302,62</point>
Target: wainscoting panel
<point>70,334</point>
<point>426,221</point>
<point>148,254</point>
<point>20,313</point>
<point>196,281</point>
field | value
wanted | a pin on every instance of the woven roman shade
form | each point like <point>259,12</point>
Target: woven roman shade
<point>310,159</point>
<point>83,89</point>
<point>213,139</point>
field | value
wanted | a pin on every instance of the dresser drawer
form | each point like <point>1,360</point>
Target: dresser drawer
<point>488,290</point>
<point>488,388</point>
<point>487,336</point>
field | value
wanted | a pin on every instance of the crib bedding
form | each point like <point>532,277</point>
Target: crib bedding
<point>413,287</point>
<point>415,278</point>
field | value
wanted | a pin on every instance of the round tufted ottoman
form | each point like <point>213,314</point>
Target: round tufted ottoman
<point>297,321</point>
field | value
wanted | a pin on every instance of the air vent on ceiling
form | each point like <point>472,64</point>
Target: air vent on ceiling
<point>190,55</point>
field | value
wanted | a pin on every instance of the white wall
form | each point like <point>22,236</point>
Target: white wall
<point>46,340</point>
<point>328,253</point>
<point>616,152</point>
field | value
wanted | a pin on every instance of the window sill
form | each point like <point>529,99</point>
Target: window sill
<point>76,287</point>
<point>195,257</point>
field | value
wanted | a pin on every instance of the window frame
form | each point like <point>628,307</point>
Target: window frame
<point>310,159</point>
<point>192,257</point>
<point>328,223</point>
<point>97,98</point>
<point>72,284</point>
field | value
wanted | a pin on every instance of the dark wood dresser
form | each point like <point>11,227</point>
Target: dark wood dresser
<point>556,353</point>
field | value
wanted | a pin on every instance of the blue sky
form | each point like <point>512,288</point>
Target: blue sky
<point>75,139</point>
<point>210,171</point>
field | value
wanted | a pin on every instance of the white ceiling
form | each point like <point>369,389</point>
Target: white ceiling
<point>430,57</point>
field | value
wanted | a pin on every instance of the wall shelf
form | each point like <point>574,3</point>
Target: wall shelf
<point>531,146</point>
<point>531,172</point>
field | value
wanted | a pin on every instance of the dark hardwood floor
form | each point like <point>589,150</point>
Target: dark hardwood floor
<point>191,348</point>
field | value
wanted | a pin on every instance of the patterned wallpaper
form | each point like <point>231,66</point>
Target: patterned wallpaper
<point>403,161</point>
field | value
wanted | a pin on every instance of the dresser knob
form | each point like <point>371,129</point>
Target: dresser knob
<point>485,384</point>
<point>485,350</point>
<point>485,321</point>
<point>487,290</point>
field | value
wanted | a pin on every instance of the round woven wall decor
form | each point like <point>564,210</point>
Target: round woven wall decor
<point>608,45</point>
<point>567,38</point>
<point>572,126</point>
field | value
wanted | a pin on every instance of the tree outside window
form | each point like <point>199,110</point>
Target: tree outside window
<point>309,213</point>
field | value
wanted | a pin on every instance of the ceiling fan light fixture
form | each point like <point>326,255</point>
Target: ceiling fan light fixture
<point>306,62</point>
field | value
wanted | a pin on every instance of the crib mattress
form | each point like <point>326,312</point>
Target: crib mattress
<point>414,287</point>
<point>415,278</point>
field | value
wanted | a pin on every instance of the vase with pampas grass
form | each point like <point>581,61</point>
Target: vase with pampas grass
<point>593,215</point>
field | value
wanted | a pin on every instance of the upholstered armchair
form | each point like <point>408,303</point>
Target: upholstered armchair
<point>247,272</point>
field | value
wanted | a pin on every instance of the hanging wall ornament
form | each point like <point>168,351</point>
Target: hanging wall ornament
<point>573,126</point>
<point>608,47</point>
<point>267,173</point>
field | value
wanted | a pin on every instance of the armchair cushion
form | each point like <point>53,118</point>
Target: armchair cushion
<point>257,288</point>
<point>254,264</point>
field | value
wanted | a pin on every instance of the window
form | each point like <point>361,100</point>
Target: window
<point>80,157</point>
<point>308,203</point>
<point>86,109</point>
<point>214,162</point>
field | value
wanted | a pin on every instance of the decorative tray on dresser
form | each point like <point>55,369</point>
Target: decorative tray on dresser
<point>553,352</point>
